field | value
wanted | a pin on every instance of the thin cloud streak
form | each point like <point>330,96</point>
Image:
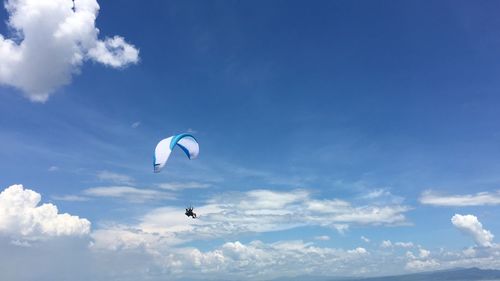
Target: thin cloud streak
<point>478,199</point>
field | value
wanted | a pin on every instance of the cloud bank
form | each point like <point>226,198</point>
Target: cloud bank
<point>158,246</point>
<point>49,43</point>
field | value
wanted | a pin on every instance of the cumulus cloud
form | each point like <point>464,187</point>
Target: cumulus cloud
<point>421,262</point>
<point>50,35</point>
<point>114,52</point>
<point>22,216</point>
<point>470,225</point>
<point>256,260</point>
<point>478,199</point>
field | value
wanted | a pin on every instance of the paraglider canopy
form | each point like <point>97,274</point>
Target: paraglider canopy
<point>164,148</point>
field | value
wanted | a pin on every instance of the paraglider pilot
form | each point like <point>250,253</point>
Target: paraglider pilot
<point>190,213</point>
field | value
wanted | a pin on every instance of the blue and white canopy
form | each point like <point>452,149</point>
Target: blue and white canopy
<point>163,149</point>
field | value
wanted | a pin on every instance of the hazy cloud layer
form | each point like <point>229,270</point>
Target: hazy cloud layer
<point>49,35</point>
<point>254,211</point>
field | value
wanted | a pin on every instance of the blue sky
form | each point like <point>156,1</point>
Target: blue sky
<point>319,123</point>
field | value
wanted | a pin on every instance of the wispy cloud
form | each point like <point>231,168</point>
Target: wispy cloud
<point>257,211</point>
<point>70,198</point>
<point>322,237</point>
<point>478,199</point>
<point>176,186</point>
<point>53,169</point>
<point>135,125</point>
<point>128,193</point>
<point>115,178</point>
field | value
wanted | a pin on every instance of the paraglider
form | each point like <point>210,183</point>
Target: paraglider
<point>164,148</point>
<point>190,213</point>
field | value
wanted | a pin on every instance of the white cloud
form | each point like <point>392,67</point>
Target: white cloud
<point>53,169</point>
<point>20,243</point>
<point>422,265</point>
<point>404,244</point>
<point>390,244</point>
<point>21,216</point>
<point>120,237</point>
<point>70,198</point>
<point>254,260</point>
<point>386,244</point>
<point>366,240</point>
<point>478,199</point>
<point>128,193</point>
<point>253,211</point>
<point>376,193</point>
<point>382,195</point>
<point>48,34</point>
<point>422,262</point>
<point>322,237</point>
<point>114,52</point>
<point>115,178</point>
<point>161,235</point>
<point>358,251</point>
<point>176,186</point>
<point>342,228</point>
<point>146,256</point>
<point>272,200</point>
<point>135,125</point>
<point>423,253</point>
<point>470,225</point>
